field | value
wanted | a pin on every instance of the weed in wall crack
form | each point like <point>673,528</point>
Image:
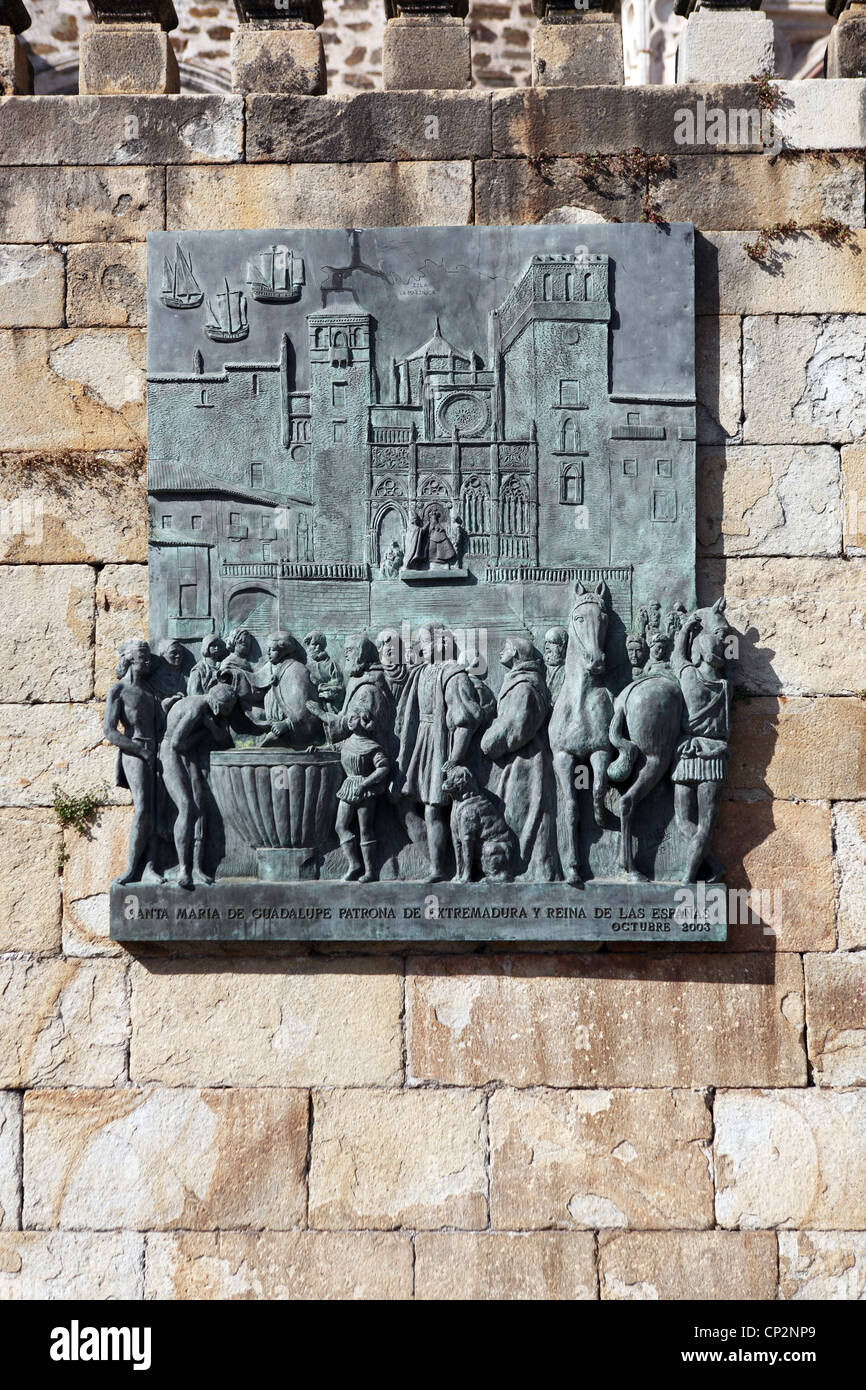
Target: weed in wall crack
<point>828,229</point>
<point>76,810</point>
<point>770,95</point>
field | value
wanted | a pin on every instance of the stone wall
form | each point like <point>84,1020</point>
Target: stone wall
<point>352,33</point>
<point>620,1123</point>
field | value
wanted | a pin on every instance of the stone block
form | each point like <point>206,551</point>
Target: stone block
<point>534,1020</point>
<point>791,1159</point>
<point>836,1018</point>
<point>846,47</point>
<point>72,507</point>
<point>725,46</point>
<point>294,1265</point>
<point>194,1160</point>
<point>705,1266</point>
<point>849,837</point>
<point>781,853</point>
<point>31,287</point>
<point>488,1265</point>
<point>801,748</point>
<point>718,378</point>
<point>106,286</point>
<point>382,1159</point>
<point>89,384</point>
<point>769,500</point>
<point>30,843</point>
<point>584,53</point>
<point>801,275</point>
<point>854,493</point>
<point>93,861</point>
<point>68,1265</point>
<point>280,1022</point>
<point>126,58</point>
<point>608,120</point>
<point>832,118</point>
<point>305,195</point>
<point>62,1023</point>
<point>123,129</point>
<point>426,53</point>
<point>10,1161</point>
<point>48,614</point>
<point>516,190</point>
<point>592,1159</point>
<point>278,60</point>
<point>803,378</point>
<point>368,126</point>
<point>45,745</point>
<point>723,191</point>
<point>16,73</point>
<point>121,612</point>
<point>798,622</point>
<point>66,205</point>
<point>822,1265</point>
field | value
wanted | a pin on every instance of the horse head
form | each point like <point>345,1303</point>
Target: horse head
<point>710,632</point>
<point>587,627</point>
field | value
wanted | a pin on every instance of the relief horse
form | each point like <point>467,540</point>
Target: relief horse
<point>644,730</point>
<point>581,718</point>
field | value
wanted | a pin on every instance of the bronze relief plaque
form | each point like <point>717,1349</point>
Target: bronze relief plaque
<point>424,658</point>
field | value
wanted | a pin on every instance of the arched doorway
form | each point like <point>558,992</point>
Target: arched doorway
<point>390,526</point>
<point>254,608</point>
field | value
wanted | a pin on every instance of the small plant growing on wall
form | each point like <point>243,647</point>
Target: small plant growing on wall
<point>76,810</point>
<point>828,229</point>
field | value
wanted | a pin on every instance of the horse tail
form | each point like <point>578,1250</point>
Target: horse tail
<point>627,751</point>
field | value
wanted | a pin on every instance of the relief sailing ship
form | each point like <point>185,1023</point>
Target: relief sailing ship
<point>227,321</point>
<point>180,289</point>
<point>276,276</point>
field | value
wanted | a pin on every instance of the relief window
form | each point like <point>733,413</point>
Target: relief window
<point>664,468</point>
<point>571,485</point>
<point>629,468</point>
<point>664,505</point>
<point>569,393</point>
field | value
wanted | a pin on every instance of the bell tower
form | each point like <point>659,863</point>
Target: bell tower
<point>342,389</point>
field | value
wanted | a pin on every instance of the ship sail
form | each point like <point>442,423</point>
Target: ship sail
<point>180,289</point>
<point>275,276</point>
<point>227,316</point>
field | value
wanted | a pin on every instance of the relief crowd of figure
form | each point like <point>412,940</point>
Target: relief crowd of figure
<point>488,785</point>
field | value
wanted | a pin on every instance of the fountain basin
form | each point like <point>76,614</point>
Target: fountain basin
<point>282,803</point>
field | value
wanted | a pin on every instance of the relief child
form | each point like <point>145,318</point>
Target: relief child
<point>367,771</point>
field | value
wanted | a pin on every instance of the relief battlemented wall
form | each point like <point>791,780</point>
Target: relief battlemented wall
<point>422,588</point>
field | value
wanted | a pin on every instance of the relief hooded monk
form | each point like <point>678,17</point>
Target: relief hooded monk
<point>522,775</point>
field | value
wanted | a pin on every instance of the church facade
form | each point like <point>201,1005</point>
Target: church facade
<point>272,506</point>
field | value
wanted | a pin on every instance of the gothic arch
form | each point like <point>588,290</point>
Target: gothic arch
<point>569,436</point>
<point>474,503</point>
<point>571,483</point>
<point>389,524</point>
<point>514,507</point>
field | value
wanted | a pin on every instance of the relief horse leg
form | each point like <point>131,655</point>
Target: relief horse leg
<point>563,765</point>
<point>649,775</point>
<point>600,761</point>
